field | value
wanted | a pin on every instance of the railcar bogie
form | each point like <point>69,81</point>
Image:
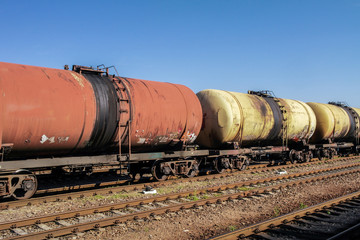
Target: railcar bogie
<point>19,184</point>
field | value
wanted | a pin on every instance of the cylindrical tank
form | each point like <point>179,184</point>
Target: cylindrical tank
<point>233,117</point>
<point>248,119</point>
<point>48,111</point>
<point>357,122</point>
<point>45,110</point>
<point>161,114</point>
<point>301,120</point>
<point>357,110</point>
<point>333,122</point>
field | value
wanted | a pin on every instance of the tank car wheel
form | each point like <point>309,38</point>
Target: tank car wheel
<point>193,171</point>
<point>318,154</point>
<point>157,172</point>
<point>308,156</point>
<point>135,176</point>
<point>292,156</point>
<point>24,186</point>
<point>219,168</point>
<point>333,153</point>
<point>244,162</point>
<point>305,157</point>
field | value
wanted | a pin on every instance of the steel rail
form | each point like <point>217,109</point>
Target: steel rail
<point>134,216</point>
<point>346,234</point>
<point>136,187</point>
<point>266,167</point>
<point>271,223</point>
<point>111,207</point>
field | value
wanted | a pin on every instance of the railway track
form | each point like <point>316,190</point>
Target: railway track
<point>99,184</point>
<point>334,219</point>
<point>44,196</point>
<point>133,182</point>
<point>65,223</point>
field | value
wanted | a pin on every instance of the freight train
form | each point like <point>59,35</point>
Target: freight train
<point>85,117</point>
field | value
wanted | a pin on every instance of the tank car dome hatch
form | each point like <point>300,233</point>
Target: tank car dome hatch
<point>248,118</point>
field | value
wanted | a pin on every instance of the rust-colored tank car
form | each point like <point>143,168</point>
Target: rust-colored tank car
<point>250,119</point>
<point>48,111</point>
<point>334,122</point>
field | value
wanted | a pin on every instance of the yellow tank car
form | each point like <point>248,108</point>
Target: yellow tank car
<point>246,118</point>
<point>357,110</point>
<point>225,115</point>
<point>301,120</point>
<point>332,122</point>
<point>357,121</point>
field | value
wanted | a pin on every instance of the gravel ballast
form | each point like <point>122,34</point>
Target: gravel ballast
<point>205,221</point>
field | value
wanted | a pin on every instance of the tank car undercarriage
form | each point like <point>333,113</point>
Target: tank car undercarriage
<point>21,182</point>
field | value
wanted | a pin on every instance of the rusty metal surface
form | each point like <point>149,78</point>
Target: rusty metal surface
<point>101,159</point>
<point>60,161</point>
<point>51,111</point>
<point>45,110</point>
<point>162,114</point>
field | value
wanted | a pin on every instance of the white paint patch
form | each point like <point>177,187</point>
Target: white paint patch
<point>44,138</point>
<point>51,140</point>
<point>191,137</point>
<point>141,140</point>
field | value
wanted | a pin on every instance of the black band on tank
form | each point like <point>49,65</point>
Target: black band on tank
<point>352,130</point>
<point>276,130</point>
<point>106,111</point>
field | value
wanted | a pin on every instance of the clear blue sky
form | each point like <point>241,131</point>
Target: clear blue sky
<point>301,49</point>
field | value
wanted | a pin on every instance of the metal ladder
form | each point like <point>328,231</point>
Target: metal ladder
<point>124,120</point>
<point>284,122</point>
<point>357,125</point>
<point>284,125</point>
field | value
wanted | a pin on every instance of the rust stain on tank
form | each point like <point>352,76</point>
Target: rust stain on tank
<point>162,113</point>
<point>78,79</point>
<point>56,108</point>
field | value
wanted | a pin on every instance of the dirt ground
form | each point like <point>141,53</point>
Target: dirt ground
<point>209,221</point>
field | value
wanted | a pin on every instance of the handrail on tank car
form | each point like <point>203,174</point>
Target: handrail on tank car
<point>262,93</point>
<point>339,103</point>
